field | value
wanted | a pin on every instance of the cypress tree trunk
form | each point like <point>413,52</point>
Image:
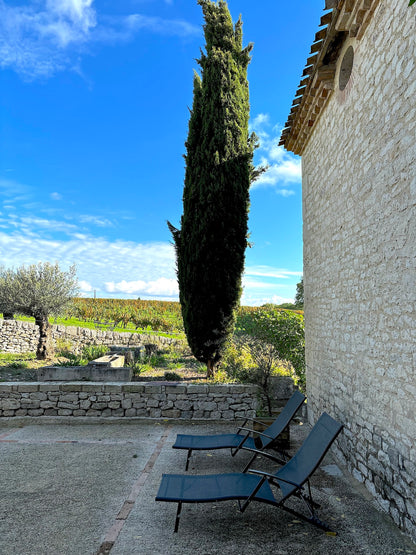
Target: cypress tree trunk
<point>45,348</point>
<point>211,243</point>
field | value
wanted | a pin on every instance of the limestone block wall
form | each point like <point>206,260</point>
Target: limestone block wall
<point>170,400</point>
<point>359,204</point>
<point>20,337</point>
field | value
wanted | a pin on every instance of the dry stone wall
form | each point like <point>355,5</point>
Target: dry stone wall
<point>359,206</point>
<point>19,337</point>
<point>169,400</point>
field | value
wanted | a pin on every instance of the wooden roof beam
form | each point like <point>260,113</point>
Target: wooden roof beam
<point>325,19</point>
<point>316,46</point>
<point>320,35</point>
<point>300,91</point>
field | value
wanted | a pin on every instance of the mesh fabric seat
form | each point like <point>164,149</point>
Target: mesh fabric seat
<point>290,479</point>
<point>268,439</point>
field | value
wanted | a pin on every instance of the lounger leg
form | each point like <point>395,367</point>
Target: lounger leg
<point>187,459</point>
<point>249,462</point>
<point>313,519</point>
<point>178,516</point>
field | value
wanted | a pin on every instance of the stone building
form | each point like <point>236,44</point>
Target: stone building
<point>353,121</point>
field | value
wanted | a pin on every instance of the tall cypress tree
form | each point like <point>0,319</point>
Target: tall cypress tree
<point>211,242</point>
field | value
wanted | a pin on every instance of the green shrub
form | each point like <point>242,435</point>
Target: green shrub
<point>63,345</point>
<point>11,357</point>
<point>138,366</point>
<point>237,363</point>
<point>172,377</point>
<point>71,359</point>
<point>284,329</point>
<point>18,364</point>
<point>91,352</point>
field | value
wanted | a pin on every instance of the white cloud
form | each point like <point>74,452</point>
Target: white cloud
<point>260,120</point>
<point>95,220</point>
<point>258,300</point>
<point>285,192</point>
<point>262,284</point>
<point>13,191</point>
<point>84,286</point>
<point>162,287</point>
<point>113,266</point>
<point>56,196</point>
<point>269,271</point>
<point>158,25</point>
<point>284,167</point>
<point>43,37</point>
<point>31,222</point>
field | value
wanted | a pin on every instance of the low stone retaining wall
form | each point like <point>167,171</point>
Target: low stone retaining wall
<point>21,337</point>
<point>155,400</point>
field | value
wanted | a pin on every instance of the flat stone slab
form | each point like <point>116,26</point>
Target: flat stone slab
<point>93,373</point>
<point>111,360</point>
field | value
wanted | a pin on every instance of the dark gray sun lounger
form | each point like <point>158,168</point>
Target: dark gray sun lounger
<point>291,479</point>
<point>264,440</point>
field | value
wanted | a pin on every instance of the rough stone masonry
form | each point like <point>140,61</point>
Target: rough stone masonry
<point>169,400</point>
<point>22,337</point>
<point>359,206</point>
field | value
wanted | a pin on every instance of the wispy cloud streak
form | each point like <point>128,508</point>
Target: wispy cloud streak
<point>284,168</point>
<point>43,37</point>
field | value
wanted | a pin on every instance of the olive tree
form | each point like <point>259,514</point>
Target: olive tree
<point>39,290</point>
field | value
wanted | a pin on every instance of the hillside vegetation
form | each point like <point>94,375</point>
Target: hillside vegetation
<point>282,328</point>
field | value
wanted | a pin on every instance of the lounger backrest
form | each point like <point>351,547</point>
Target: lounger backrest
<point>307,459</point>
<point>283,419</point>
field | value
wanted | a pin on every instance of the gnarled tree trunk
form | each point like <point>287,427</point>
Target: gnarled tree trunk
<point>45,348</point>
<point>212,367</point>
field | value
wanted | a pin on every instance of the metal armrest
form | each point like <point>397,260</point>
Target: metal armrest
<point>256,432</point>
<point>279,460</point>
<point>274,477</point>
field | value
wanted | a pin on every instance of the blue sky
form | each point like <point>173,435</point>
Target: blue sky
<point>94,98</point>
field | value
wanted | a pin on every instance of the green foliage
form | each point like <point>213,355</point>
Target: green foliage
<point>284,329</point>
<point>12,357</point>
<point>88,353</point>
<point>138,366</point>
<point>63,345</point>
<point>91,352</point>
<point>128,314</point>
<point>288,306</point>
<point>18,365</point>
<point>172,377</point>
<point>39,290</point>
<point>249,359</point>
<point>238,363</point>
<point>70,359</point>
<point>299,294</point>
<point>211,242</point>
<point>412,2</point>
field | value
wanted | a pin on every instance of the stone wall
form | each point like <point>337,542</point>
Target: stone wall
<point>19,337</point>
<point>155,400</point>
<point>359,205</point>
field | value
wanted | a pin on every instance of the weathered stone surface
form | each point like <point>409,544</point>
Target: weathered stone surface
<point>95,399</point>
<point>359,229</point>
<point>21,337</point>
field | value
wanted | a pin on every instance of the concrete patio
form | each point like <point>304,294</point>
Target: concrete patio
<point>82,486</point>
